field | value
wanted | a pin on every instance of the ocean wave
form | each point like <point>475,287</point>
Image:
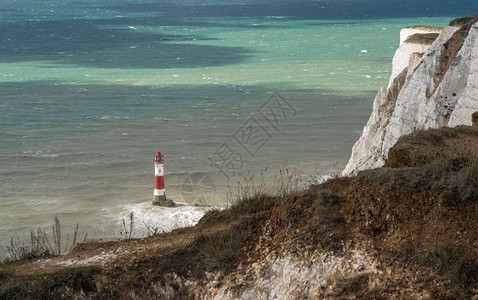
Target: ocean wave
<point>32,154</point>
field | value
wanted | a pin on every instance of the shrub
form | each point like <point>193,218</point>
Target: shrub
<point>221,250</point>
<point>469,175</point>
<point>60,284</point>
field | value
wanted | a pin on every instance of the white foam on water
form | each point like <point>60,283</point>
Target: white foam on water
<point>323,178</point>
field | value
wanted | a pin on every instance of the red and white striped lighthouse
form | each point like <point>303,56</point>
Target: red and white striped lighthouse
<point>159,195</point>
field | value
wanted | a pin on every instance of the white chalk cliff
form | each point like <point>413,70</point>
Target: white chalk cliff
<point>412,47</point>
<point>432,85</point>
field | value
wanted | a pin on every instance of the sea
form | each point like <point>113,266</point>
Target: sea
<point>235,94</point>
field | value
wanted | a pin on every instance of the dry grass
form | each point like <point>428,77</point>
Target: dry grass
<point>251,203</point>
<point>422,38</point>
<point>40,244</point>
<point>222,250</point>
<point>126,230</point>
<point>426,28</point>
<point>442,164</point>
<point>63,284</point>
<point>254,195</point>
<point>469,175</point>
<point>463,21</point>
<point>467,180</point>
<point>460,172</point>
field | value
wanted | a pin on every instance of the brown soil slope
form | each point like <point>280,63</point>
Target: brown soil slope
<point>422,147</point>
<point>418,218</point>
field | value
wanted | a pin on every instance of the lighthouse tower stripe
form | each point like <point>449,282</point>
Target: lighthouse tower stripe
<point>159,182</point>
<point>159,192</point>
<point>159,176</point>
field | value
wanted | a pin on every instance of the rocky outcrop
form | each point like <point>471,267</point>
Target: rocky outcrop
<point>474,118</point>
<point>436,89</point>
<point>295,276</point>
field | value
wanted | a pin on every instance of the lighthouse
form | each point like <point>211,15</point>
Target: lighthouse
<point>159,195</point>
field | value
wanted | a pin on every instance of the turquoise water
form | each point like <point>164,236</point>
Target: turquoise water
<point>90,91</point>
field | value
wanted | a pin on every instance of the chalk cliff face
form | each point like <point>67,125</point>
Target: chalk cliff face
<point>414,41</point>
<point>433,84</point>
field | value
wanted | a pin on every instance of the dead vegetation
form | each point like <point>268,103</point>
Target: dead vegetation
<point>426,28</point>
<point>40,245</point>
<point>422,38</point>
<point>63,284</point>
<point>417,217</point>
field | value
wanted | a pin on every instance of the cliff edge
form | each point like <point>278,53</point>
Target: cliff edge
<point>434,83</point>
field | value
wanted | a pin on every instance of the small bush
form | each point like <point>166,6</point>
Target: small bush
<point>451,264</point>
<point>467,180</point>
<point>252,205</point>
<point>441,164</point>
<point>469,175</point>
<point>221,250</point>
<point>4,275</point>
<point>209,215</point>
<point>61,284</point>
